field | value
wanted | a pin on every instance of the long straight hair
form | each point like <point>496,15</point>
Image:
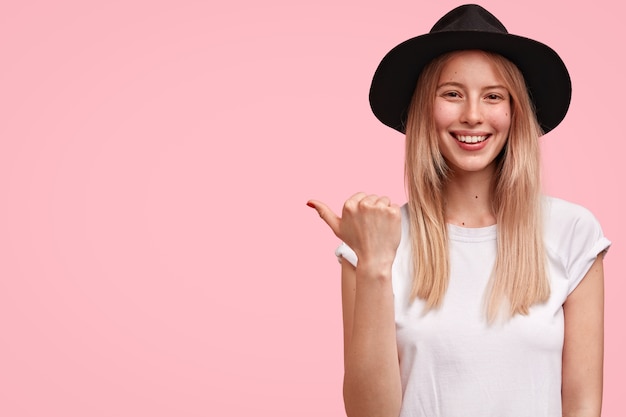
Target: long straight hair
<point>519,278</point>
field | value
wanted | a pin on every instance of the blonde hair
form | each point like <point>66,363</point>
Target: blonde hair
<point>519,278</point>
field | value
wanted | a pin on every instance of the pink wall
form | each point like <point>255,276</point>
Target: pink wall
<point>156,254</point>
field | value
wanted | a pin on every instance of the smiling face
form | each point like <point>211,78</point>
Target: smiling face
<point>472,112</point>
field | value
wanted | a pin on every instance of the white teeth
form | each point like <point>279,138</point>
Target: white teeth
<point>471,139</point>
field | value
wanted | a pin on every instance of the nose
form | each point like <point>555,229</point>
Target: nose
<point>472,113</point>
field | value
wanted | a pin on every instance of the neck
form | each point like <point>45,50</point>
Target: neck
<point>468,199</point>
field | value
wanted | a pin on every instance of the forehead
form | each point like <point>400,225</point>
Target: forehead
<point>470,67</point>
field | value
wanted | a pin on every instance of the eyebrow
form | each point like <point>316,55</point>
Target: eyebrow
<point>455,84</point>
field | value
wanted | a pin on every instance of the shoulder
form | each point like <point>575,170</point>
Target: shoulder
<point>572,232</point>
<point>561,214</point>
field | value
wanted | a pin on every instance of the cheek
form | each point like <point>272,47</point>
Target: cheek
<point>501,119</point>
<point>443,115</point>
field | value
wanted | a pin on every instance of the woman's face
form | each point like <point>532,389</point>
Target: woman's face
<point>472,112</point>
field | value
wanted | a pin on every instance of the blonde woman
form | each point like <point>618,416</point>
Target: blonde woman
<point>480,296</point>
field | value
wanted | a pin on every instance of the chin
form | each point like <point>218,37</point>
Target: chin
<point>474,166</point>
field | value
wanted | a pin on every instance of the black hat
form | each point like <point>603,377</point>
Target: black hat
<point>470,27</point>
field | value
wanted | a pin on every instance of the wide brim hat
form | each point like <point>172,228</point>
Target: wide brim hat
<point>470,27</point>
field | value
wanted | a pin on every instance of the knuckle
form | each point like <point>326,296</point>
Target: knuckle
<point>368,200</point>
<point>350,205</point>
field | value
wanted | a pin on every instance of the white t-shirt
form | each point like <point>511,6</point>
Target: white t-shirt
<point>451,362</point>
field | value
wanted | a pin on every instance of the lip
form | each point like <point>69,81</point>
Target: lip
<point>468,146</point>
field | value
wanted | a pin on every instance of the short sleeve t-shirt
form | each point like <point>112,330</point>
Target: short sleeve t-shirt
<point>453,363</point>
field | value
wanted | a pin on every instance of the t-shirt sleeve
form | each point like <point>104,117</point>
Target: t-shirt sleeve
<point>345,252</point>
<point>585,242</point>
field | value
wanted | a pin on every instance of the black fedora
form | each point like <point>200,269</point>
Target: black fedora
<point>470,27</point>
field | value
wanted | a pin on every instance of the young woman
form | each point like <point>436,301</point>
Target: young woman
<point>479,297</point>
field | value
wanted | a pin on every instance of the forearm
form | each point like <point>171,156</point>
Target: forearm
<point>372,384</point>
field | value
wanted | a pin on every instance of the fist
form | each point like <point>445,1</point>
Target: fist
<point>369,224</point>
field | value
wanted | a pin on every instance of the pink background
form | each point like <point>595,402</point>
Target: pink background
<point>156,254</point>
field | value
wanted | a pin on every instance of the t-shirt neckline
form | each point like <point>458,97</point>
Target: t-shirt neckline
<point>472,234</point>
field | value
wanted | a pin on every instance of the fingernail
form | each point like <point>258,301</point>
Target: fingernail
<point>311,205</point>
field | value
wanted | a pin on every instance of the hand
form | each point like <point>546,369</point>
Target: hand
<point>370,225</point>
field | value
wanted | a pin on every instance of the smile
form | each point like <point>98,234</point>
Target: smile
<point>470,139</point>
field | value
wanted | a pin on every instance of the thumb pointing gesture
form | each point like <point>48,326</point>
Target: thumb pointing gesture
<point>331,219</point>
<point>369,224</point>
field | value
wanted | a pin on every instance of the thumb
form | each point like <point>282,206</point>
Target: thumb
<point>331,219</point>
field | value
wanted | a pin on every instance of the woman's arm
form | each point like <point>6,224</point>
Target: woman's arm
<point>371,226</point>
<point>583,348</point>
<point>372,374</point>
